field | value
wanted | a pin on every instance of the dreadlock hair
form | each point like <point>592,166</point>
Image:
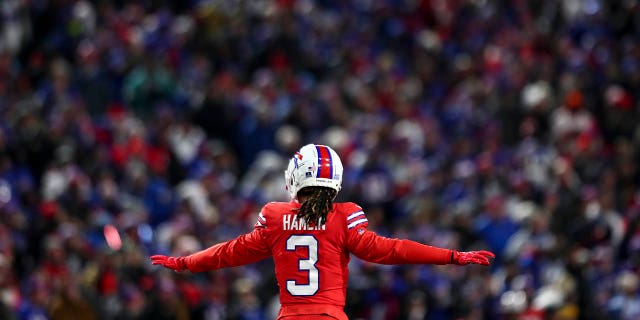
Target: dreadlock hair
<point>316,206</point>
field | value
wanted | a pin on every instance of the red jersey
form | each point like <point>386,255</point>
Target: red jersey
<point>311,260</point>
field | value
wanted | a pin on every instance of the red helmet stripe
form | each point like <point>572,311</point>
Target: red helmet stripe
<point>325,163</point>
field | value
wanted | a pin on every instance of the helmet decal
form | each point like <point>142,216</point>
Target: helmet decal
<point>325,163</point>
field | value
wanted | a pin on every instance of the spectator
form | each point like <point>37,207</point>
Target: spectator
<point>492,121</point>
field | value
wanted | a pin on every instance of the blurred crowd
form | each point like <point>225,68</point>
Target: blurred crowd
<point>131,128</point>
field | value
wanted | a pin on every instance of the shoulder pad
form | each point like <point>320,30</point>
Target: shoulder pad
<point>348,207</point>
<point>277,208</point>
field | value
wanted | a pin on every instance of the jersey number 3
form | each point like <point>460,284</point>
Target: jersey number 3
<point>308,264</point>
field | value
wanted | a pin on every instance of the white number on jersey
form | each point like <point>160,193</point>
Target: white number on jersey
<point>308,264</point>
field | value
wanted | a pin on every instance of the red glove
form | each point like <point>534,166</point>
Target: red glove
<point>175,263</point>
<point>474,257</point>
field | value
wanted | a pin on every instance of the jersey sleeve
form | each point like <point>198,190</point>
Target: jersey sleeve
<point>369,246</point>
<point>261,222</point>
<point>356,219</point>
<point>245,249</point>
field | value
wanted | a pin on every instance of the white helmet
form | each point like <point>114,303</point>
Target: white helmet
<point>313,165</point>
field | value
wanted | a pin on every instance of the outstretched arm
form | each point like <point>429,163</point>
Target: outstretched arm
<point>369,246</point>
<point>245,249</point>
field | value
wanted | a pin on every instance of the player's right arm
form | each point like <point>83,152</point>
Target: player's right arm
<point>245,249</point>
<point>369,246</point>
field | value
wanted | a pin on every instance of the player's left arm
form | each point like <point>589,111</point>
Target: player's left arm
<point>369,246</point>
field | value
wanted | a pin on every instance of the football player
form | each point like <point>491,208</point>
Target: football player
<point>311,238</point>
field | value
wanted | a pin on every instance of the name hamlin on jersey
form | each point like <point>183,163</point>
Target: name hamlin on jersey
<point>291,222</point>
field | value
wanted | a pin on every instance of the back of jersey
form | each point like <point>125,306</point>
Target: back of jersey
<point>310,260</point>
